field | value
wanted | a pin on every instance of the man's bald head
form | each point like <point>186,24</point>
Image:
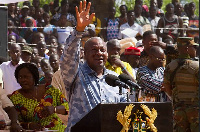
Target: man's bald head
<point>156,50</point>
<point>113,43</point>
<point>93,41</point>
<point>156,57</point>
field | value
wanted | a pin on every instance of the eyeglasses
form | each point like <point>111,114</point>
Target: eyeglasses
<point>159,59</point>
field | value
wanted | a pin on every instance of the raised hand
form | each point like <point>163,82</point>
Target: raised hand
<point>82,16</point>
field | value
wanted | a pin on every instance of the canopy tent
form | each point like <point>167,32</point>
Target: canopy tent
<point>10,1</point>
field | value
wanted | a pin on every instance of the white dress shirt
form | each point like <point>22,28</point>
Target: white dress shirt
<point>135,27</point>
<point>9,81</point>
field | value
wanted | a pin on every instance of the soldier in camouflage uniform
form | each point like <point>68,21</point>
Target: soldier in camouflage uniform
<point>181,81</point>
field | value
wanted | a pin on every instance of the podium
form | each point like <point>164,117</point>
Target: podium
<point>103,118</point>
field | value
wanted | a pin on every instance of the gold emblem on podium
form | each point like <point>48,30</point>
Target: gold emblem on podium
<point>124,118</point>
<point>137,124</point>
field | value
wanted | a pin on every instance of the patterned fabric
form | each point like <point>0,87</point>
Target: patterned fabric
<point>186,119</point>
<point>118,70</point>
<point>70,18</point>
<point>84,89</point>
<point>112,29</point>
<point>150,80</point>
<point>29,109</point>
<point>193,23</point>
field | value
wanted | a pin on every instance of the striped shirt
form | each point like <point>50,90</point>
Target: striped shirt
<point>150,80</point>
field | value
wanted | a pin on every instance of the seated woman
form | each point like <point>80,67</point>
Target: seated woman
<point>38,105</point>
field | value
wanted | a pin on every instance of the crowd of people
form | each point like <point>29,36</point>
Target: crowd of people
<point>59,57</point>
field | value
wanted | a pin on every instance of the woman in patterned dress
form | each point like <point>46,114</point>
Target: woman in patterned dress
<point>37,105</point>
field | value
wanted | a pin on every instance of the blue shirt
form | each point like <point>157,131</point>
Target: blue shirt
<point>84,89</point>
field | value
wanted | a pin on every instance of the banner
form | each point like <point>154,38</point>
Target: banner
<point>10,1</point>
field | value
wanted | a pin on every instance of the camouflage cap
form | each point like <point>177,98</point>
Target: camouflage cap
<point>181,41</point>
<point>27,49</point>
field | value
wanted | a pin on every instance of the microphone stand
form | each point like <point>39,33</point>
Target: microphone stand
<point>127,94</point>
<point>120,90</point>
<point>127,97</point>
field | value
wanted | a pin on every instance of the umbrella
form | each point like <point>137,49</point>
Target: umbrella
<point>10,1</point>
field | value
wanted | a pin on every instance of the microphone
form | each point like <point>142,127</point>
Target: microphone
<point>126,79</point>
<point>114,81</point>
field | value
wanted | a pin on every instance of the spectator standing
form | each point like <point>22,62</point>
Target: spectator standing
<point>123,17</point>
<point>131,24</point>
<point>39,15</point>
<point>27,33</point>
<point>153,19</point>
<point>11,14</point>
<point>48,29</point>
<point>25,13</point>
<point>11,29</point>
<point>32,11</point>
<point>153,3</point>
<point>180,13</point>
<point>36,4</point>
<point>193,21</point>
<point>46,8</point>
<point>64,29</point>
<point>112,25</point>
<point>160,11</point>
<point>139,19</point>
<point>145,12</point>
<point>186,9</point>
<point>8,69</point>
<point>171,22</point>
<point>64,11</point>
<point>96,21</point>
